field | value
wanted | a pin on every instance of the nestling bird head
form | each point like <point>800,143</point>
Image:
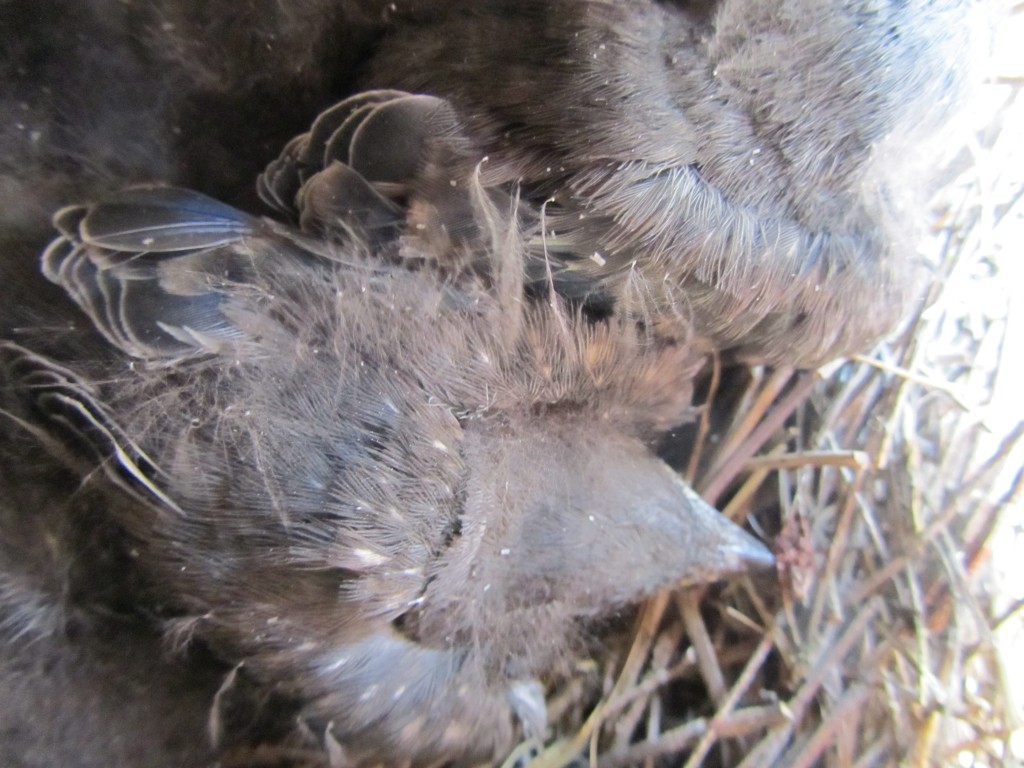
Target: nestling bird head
<point>392,460</point>
<point>396,489</point>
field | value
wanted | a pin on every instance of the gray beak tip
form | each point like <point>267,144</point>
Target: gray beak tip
<point>751,554</point>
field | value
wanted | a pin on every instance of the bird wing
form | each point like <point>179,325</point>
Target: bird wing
<point>148,266</point>
<point>264,393</point>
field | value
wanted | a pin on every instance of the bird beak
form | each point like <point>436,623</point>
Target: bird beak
<point>728,548</point>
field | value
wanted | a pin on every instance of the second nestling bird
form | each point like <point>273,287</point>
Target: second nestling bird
<point>747,165</point>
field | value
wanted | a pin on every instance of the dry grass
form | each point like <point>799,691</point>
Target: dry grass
<point>886,638</point>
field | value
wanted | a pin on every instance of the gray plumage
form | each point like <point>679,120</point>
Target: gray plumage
<point>733,168</point>
<point>397,496</point>
<point>754,161</point>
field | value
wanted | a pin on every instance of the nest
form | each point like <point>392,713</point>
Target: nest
<point>888,483</point>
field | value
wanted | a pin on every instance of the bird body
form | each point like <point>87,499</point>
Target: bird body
<point>756,162</point>
<point>396,496</point>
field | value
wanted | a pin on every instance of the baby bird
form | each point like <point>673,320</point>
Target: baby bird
<point>396,493</point>
<point>750,159</point>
